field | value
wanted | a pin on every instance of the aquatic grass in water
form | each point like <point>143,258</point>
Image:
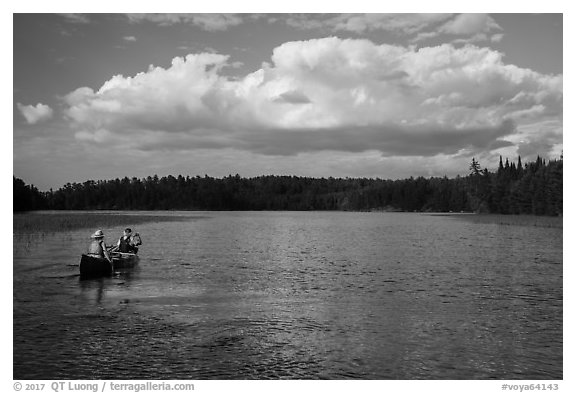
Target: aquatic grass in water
<point>59,222</point>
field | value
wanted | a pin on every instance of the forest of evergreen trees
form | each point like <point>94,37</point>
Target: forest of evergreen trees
<point>27,197</point>
<point>514,188</point>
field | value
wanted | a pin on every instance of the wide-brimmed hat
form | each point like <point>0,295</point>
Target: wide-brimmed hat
<point>97,234</point>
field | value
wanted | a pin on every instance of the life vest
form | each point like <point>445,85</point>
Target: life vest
<point>125,245</point>
<point>95,248</point>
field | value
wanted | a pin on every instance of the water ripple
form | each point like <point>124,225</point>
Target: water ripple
<point>298,296</point>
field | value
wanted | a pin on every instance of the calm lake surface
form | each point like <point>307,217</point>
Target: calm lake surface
<point>296,295</point>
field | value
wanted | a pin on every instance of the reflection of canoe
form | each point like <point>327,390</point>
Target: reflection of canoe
<point>96,267</point>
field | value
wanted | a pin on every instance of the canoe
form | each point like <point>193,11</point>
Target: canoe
<point>123,260</point>
<point>97,267</point>
<point>94,267</point>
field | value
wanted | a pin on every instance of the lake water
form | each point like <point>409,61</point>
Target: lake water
<point>296,295</point>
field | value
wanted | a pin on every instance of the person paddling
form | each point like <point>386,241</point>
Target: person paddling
<point>128,242</point>
<point>97,247</point>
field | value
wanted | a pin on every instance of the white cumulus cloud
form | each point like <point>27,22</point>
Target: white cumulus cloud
<point>35,114</point>
<point>327,94</point>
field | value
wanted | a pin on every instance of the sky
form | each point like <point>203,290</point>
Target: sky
<point>103,96</point>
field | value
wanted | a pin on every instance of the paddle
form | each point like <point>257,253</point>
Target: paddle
<point>107,256</point>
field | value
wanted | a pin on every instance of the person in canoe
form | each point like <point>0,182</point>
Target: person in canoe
<point>97,247</point>
<point>128,242</point>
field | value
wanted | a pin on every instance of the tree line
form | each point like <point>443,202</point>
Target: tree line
<point>27,197</point>
<point>514,188</point>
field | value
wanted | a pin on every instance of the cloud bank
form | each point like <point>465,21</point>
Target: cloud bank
<point>417,27</point>
<point>35,114</point>
<point>468,27</point>
<point>209,22</point>
<point>330,94</point>
<point>76,18</point>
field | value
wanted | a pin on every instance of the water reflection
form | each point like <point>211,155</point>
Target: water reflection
<point>97,289</point>
<point>92,289</point>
